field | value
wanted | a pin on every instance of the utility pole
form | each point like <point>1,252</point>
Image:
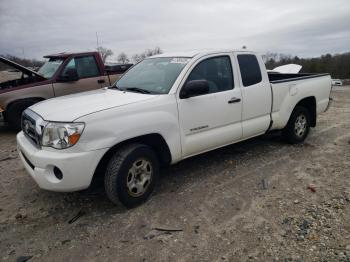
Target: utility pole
<point>97,41</point>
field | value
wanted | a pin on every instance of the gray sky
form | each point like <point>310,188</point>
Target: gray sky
<point>300,27</point>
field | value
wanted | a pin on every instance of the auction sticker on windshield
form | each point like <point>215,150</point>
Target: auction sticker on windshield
<point>179,60</point>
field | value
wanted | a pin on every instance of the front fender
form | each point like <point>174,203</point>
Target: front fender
<point>110,127</point>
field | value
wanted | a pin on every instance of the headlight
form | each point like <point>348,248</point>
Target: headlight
<point>61,135</point>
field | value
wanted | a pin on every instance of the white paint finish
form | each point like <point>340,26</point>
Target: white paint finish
<point>221,121</point>
<point>255,126</point>
<point>151,116</point>
<point>257,101</point>
<point>77,167</point>
<point>208,121</point>
<point>68,108</point>
<point>112,116</point>
<point>287,94</point>
<point>288,69</point>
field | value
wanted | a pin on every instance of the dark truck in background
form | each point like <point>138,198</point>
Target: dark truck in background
<point>62,74</point>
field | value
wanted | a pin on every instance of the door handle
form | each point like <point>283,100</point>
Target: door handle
<point>234,100</point>
<point>101,81</point>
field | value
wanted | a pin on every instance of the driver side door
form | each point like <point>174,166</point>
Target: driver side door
<point>89,76</point>
<point>211,120</point>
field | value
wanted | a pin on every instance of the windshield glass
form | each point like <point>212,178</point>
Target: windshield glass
<point>153,75</point>
<point>50,67</point>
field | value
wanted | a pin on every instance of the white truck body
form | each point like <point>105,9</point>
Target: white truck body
<point>188,126</point>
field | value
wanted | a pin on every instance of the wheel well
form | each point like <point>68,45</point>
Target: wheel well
<point>18,101</point>
<point>155,141</point>
<point>34,99</point>
<point>310,104</point>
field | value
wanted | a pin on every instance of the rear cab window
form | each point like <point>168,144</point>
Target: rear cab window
<point>250,69</point>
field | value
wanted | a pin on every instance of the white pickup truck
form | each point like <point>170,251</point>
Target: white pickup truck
<point>164,109</point>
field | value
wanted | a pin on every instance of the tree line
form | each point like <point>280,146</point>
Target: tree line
<point>104,52</point>
<point>135,58</point>
<point>124,58</point>
<point>22,61</point>
<point>337,65</point>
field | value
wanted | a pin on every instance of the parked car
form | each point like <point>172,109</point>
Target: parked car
<point>336,82</point>
<point>164,109</point>
<point>62,74</point>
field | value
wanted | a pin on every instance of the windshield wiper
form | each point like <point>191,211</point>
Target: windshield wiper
<point>114,87</point>
<point>138,90</point>
<point>132,89</point>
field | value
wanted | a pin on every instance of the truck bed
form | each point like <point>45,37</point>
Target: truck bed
<point>279,78</point>
<point>289,89</point>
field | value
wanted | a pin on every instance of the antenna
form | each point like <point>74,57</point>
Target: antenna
<point>97,40</point>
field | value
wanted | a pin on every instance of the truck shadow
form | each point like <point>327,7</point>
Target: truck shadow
<point>175,178</point>
<point>93,203</point>
<point>217,161</point>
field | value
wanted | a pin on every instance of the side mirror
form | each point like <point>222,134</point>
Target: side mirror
<point>194,88</point>
<point>69,76</point>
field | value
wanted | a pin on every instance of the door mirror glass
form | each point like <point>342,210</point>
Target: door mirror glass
<point>194,88</point>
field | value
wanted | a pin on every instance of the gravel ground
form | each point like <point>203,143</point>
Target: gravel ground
<point>260,200</point>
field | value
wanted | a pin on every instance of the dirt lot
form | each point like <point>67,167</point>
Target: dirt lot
<point>246,202</point>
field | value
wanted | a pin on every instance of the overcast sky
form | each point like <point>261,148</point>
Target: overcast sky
<point>298,27</point>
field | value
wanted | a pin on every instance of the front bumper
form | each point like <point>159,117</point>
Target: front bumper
<point>77,168</point>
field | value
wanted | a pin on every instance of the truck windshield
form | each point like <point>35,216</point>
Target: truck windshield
<point>153,75</point>
<point>50,67</point>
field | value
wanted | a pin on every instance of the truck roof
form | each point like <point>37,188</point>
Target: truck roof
<point>194,53</point>
<point>67,54</point>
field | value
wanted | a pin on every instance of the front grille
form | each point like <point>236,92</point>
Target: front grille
<point>31,126</point>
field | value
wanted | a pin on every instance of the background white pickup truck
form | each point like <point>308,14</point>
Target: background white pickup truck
<point>164,109</point>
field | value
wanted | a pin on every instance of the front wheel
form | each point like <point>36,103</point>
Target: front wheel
<point>298,126</point>
<point>131,175</point>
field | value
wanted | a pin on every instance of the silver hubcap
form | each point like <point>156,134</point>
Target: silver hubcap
<point>300,125</point>
<point>139,177</point>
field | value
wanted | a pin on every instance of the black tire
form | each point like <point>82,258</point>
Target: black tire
<point>291,133</point>
<point>118,173</point>
<point>15,110</point>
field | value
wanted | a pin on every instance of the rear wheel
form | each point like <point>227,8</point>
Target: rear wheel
<point>298,126</point>
<point>131,175</point>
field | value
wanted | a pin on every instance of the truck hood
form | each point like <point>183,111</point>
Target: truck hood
<point>71,107</point>
<point>23,69</point>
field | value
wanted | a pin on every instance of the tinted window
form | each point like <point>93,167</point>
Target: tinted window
<point>250,69</point>
<point>86,66</point>
<point>217,71</point>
